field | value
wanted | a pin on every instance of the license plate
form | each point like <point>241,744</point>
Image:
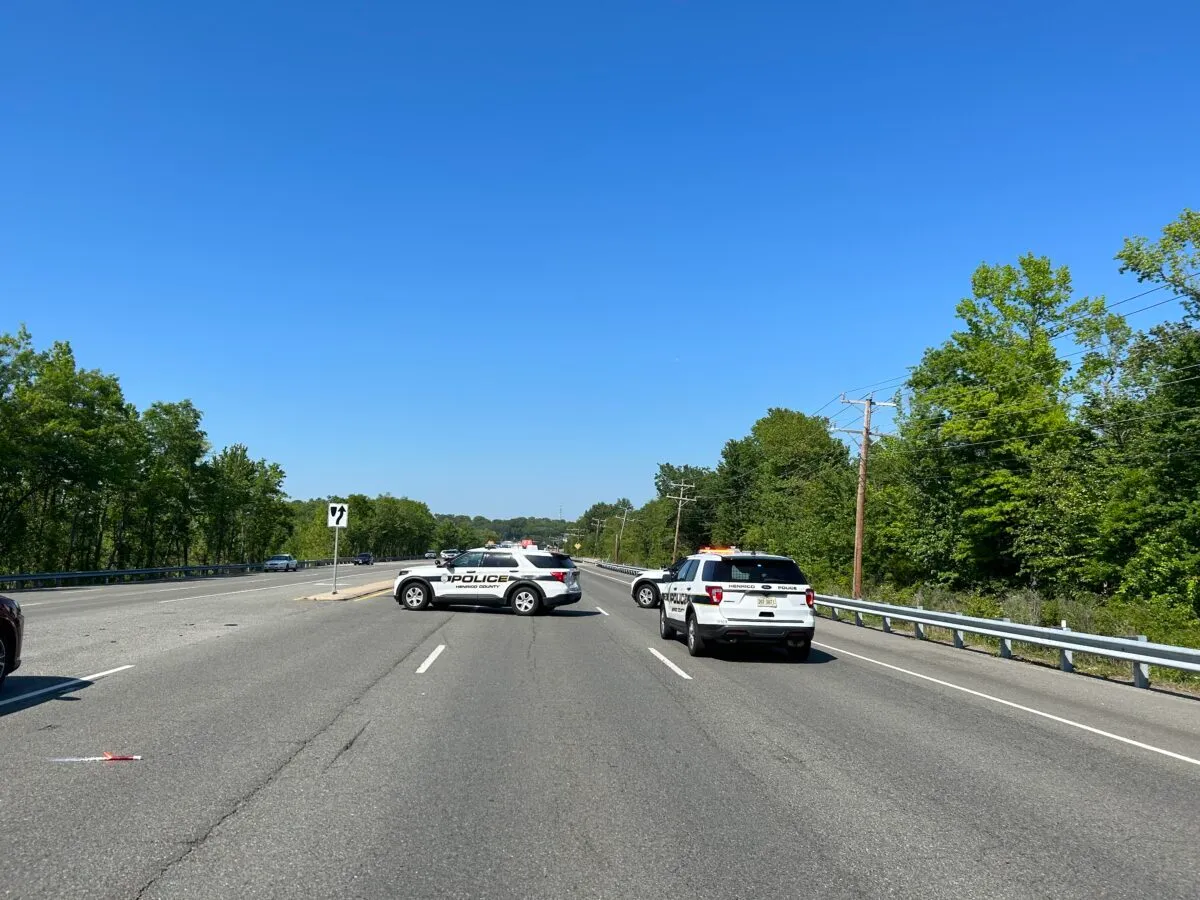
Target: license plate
<point>767,601</point>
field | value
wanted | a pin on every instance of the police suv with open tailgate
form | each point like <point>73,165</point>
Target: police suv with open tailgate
<point>733,596</point>
<point>527,579</point>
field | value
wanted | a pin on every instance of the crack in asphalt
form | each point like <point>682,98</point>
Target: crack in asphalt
<point>191,846</point>
<point>346,746</point>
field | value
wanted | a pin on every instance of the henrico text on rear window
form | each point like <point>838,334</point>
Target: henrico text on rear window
<point>764,571</point>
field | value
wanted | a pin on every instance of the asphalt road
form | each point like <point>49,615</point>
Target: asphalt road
<point>300,749</point>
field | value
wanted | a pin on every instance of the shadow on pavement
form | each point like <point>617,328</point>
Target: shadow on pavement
<point>23,691</point>
<point>557,612</point>
<point>749,653</point>
<point>570,613</point>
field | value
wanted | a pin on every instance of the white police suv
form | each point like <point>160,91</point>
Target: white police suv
<point>733,596</point>
<point>527,579</point>
<point>647,587</point>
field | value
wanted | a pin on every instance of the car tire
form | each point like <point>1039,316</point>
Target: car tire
<point>799,653</point>
<point>415,596</point>
<point>526,600</point>
<point>666,630</point>
<point>695,643</point>
<point>646,596</point>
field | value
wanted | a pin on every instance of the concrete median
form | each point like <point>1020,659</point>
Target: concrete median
<point>356,592</point>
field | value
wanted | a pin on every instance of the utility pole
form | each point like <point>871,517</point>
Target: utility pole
<point>868,403</point>
<point>620,535</point>
<point>599,524</point>
<point>683,488</point>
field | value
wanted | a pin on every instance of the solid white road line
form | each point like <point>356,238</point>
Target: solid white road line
<point>602,612</point>
<point>1028,709</point>
<point>424,667</point>
<point>66,687</point>
<point>273,587</point>
<point>670,665</point>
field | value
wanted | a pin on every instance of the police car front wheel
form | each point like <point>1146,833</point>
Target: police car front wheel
<point>665,631</point>
<point>526,601</point>
<point>415,596</point>
<point>647,596</point>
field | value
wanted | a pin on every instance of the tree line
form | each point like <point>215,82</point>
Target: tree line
<point>387,526</point>
<point>1044,449</point>
<point>87,481</point>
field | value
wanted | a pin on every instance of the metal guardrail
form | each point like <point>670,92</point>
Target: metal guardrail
<point>617,567</point>
<point>1137,650</point>
<point>108,576</point>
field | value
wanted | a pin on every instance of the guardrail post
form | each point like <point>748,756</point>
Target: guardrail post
<point>1006,644</point>
<point>918,628</point>
<point>957,635</point>
<point>833,611</point>
<point>858,618</point>
<point>887,624</point>
<point>1141,671</point>
<point>1066,658</point>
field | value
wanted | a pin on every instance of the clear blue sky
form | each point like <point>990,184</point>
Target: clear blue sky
<point>377,241</point>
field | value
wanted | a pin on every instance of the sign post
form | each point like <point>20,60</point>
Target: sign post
<point>338,514</point>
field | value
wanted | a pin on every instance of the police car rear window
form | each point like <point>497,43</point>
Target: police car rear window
<point>763,571</point>
<point>552,562</point>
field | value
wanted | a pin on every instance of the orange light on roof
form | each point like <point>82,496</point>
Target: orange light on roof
<point>719,550</point>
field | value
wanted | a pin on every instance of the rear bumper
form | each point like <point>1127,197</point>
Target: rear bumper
<point>752,632</point>
<point>565,599</point>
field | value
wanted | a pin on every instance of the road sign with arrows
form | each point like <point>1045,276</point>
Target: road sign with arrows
<point>338,514</point>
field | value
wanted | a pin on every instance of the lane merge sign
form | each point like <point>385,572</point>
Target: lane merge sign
<point>338,514</point>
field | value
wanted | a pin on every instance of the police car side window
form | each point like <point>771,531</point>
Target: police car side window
<point>499,561</point>
<point>465,560</point>
<point>688,570</point>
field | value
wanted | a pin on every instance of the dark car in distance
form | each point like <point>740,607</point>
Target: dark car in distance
<point>12,632</point>
<point>364,559</point>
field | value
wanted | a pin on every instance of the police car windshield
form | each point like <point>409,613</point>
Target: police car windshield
<point>277,556</point>
<point>751,569</point>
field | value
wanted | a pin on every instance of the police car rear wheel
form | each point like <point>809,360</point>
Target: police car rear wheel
<point>647,596</point>
<point>526,601</point>
<point>799,652</point>
<point>416,597</point>
<point>665,631</point>
<point>695,643</point>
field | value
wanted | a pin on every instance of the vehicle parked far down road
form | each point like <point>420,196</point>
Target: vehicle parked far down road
<point>364,559</point>
<point>12,633</point>
<point>282,562</point>
<point>431,554</point>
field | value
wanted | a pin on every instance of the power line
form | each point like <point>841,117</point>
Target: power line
<point>1048,401</point>
<point>683,488</point>
<point>900,379</point>
<point>1093,425</point>
<point>860,511</point>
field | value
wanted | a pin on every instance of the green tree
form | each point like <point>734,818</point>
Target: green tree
<point>980,409</point>
<point>1173,260</point>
